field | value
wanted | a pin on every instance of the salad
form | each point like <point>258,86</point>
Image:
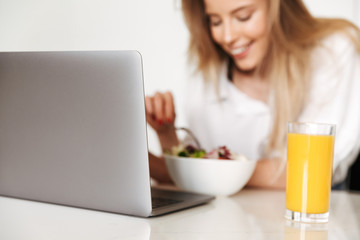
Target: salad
<point>221,152</point>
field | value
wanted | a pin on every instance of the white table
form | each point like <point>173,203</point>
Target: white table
<point>250,214</point>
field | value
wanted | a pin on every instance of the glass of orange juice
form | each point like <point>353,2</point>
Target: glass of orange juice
<point>310,150</point>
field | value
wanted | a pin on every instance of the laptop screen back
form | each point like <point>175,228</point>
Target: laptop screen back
<point>73,130</point>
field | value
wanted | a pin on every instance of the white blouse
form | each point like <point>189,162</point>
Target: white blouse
<point>243,124</point>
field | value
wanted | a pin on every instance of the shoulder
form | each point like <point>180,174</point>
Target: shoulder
<point>338,40</point>
<point>334,62</point>
<point>197,82</point>
<point>334,51</point>
<point>338,43</point>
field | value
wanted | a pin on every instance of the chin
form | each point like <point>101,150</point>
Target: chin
<point>245,68</point>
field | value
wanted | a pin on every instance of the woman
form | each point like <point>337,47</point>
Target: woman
<point>264,63</point>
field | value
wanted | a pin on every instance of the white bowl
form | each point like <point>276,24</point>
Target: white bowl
<point>209,176</point>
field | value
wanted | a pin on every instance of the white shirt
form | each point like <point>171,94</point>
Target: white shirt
<point>243,124</point>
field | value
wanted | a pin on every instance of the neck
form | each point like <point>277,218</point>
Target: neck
<point>251,83</point>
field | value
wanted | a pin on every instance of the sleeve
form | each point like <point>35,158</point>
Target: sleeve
<point>335,98</point>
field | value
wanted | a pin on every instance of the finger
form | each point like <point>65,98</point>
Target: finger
<point>169,107</point>
<point>149,107</point>
<point>159,108</point>
<point>150,115</point>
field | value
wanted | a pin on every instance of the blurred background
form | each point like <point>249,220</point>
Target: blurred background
<point>155,28</point>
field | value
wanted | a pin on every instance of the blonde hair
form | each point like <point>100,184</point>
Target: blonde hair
<point>294,33</point>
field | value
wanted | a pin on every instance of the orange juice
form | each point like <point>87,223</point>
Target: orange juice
<point>309,171</point>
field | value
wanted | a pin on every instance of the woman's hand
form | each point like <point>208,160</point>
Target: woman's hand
<point>160,114</point>
<point>160,111</point>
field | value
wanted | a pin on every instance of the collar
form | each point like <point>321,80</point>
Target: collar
<point>238,100</point>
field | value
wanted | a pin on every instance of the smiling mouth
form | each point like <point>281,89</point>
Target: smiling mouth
<point>241,51</point>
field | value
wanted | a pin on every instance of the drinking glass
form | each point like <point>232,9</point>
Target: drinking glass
<point>310,150</point>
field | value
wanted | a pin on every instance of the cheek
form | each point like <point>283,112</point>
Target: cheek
<point>215,34</point>
<point>257,27</point>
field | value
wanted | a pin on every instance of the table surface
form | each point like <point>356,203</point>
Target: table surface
<point>250,214</point>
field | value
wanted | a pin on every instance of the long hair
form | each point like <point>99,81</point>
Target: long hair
<point>294,33</point>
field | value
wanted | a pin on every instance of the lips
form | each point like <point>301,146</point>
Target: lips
<point>240,52</point>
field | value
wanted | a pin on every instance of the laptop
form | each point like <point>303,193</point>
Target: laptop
<point>73,132</point>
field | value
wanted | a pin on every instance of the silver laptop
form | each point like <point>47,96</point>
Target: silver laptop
<point>73,132</point>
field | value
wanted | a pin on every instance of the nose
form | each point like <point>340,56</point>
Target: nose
<point>229,32</point>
